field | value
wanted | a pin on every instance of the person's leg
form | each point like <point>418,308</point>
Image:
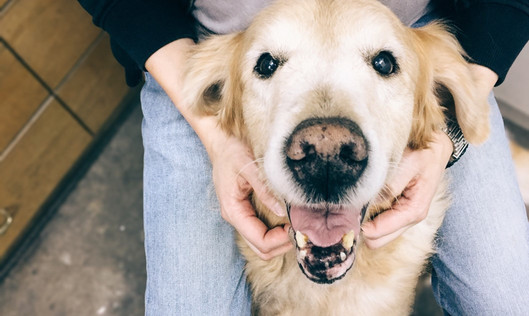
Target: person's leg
<point>193,264</point>
<point>482,263</point>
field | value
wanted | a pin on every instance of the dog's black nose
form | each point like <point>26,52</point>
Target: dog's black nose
<point>326,156</point>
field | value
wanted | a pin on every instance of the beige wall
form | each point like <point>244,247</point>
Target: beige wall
<point>513,94</point>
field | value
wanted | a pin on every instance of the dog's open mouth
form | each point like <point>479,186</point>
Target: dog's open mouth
<point>325,238</point>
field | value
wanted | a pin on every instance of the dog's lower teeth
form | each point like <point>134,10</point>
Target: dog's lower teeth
<point>327,265</point>
<point>301,240</point>
<point>343,256</point>
<point>348,240</point>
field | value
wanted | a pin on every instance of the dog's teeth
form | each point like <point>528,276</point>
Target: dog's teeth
<point>343,256</point>
<point>326,264</point>
<point>348,240</point>
<point>301,240</point>
<point>302,254</point>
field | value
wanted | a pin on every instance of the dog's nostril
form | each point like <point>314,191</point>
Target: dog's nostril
<point>351,154</point>
<point>303,152</point>
<point>309,150</point>
<point>346,154</point>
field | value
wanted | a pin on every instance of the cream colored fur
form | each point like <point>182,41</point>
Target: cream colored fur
<point>327,46</point>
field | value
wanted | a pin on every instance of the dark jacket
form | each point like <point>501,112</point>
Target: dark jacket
<point>492,32</point>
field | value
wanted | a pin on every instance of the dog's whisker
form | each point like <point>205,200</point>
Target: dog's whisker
<point>255,161</point>
<point>391,193</point>
<point>399,167</point>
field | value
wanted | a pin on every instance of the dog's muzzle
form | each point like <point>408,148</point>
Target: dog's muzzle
<point>326,156</point>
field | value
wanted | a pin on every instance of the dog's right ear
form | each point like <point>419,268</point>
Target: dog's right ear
<point>212,84</point>
<point>446,77</point>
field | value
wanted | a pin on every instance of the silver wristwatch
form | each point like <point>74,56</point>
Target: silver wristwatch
<point>453,131</point>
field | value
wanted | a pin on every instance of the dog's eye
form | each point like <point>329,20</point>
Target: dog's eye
<point>384,63</point>
<point>266,66</point>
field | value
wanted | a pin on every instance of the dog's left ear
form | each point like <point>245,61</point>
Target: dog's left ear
<point>212,84</point>
<point>444,69</point>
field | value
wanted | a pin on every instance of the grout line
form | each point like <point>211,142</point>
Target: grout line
<point>44,105</point>
<point>73,114</point>
<point>80,60</point>
<point>50,91</point>
<point>5,6</point>
<point>84,56</point>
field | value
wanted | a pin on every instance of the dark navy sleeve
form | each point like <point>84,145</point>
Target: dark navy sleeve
<point>493,32</point>
<point>138,28</point>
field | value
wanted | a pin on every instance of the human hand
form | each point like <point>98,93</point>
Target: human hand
<point>235,172</point>
<point>418,176</point>
<point>235,175</point>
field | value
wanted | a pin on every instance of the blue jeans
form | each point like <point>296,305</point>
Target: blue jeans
<point>193,264</point>
<point>194,267</point>
<point>482,261</point>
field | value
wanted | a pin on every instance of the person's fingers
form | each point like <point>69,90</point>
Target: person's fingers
<point>265,241</point>
<point>236,175</point>
<point>384,240</point>
<point>273,252</point>
<point>418,175</point>
<point>271,244</point>
<point>409,209</point>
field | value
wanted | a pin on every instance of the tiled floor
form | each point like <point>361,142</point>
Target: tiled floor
<point>89,258</point>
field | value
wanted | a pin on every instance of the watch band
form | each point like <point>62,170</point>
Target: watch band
<point>453,131</point>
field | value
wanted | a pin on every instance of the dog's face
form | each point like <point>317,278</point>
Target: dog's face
<point>328,94</point>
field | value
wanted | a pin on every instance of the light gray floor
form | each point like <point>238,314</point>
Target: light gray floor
<point>89,258</point>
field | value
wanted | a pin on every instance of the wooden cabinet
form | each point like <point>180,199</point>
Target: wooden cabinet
<point>60,88</point>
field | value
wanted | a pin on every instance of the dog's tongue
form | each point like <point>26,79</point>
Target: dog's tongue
<point>325,226</point>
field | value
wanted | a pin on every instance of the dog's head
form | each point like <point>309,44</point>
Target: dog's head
<point>328,94</point>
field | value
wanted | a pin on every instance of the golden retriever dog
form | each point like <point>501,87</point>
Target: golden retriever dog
<point>328,95</point>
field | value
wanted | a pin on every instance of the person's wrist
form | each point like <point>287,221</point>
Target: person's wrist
<point>173,53</point>
<point>166,65</point>
<point>484,77</point>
